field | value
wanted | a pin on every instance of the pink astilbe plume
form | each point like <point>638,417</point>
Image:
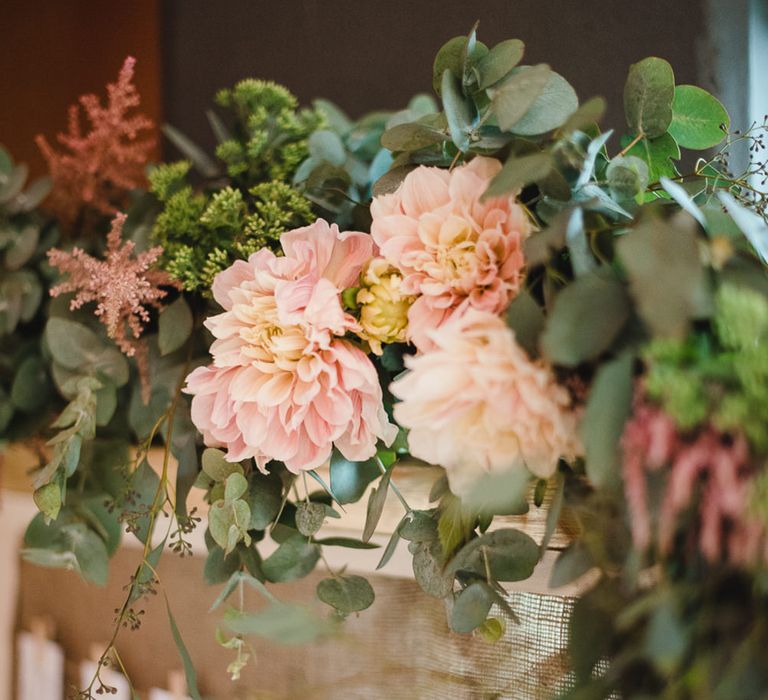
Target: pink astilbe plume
<point>98,167</point>
<point>709,471</point>
<point>123,286</point>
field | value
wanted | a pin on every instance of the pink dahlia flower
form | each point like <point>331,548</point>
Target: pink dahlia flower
<point>283,384</point>
<point>454,250</point>
<point>477,404</point>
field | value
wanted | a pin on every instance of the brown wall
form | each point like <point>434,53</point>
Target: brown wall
<point>368,54</point>
<point>52,51</point>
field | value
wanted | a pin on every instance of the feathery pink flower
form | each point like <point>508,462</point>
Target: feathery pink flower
<point>709,470</point>
<point>98,168</point>
<point>454,250</point>
<point>122,285</point>
<point>284,384</point>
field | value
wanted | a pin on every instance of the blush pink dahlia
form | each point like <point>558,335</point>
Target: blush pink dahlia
<point>283,384</point>
<point>476,403</point>
<point>454,250</point>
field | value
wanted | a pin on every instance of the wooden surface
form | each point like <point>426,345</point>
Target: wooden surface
<point>53,51</point>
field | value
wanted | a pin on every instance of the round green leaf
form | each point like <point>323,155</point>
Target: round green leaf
<point>325,145</point>
<point>648,95</point>
<point>512,555</point>
<point>471,607</point>
<point>499,61</point>
<point>293,559</point>
<point>513,98</point>
<point>30,389</point>
<point>627,177</point>
<point>552,108</point>
<point>699,119</point>
<point>309,517</point>
<point>346,593</point>
<point>587,316</point>
<point>174,326</point>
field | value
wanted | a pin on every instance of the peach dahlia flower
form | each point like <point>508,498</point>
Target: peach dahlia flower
<point>454,251</point>
<point>477,404</point>
<point>283,384</point>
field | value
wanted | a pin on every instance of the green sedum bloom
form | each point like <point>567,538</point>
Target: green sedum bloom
<point>270,133</point>
<point>203,232</point>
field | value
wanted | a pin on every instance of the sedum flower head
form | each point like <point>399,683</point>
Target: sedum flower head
<point>270,133</point>
<point>383,306</point>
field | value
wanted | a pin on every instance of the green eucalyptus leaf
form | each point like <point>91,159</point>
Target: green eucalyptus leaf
<point>347,594</point>
<point>458,111</point>
<point>48,500</point>
<point>499,61</point>
<point>189,668</point>
<point>174,326</point>
<point>627,177</point>
<point>608,406</point>
<point>309,517</point>
<point>265,498</point>
<point>449,57</point>
<point>216,465</point>
<point>588,114</point>
<point>72,345</point>
<point>666,276</point>
<point>471,607</point>
<point>22,247</point>
<point>699,120</point>
<point>586,318</point>
<point>526,319</point>
<point>411,137</point>
<point>234,487</point>
<point>648,95</point>
<point>349,480</point>
<point>279,622</point>
<point>551,109</point>
<point>571,564</point>
<point>511,555</point>
<point>293,559</point>
<point>516,95</point>
<point>325,145</point>
<point>517,172</point>
<point>376,505</point>
<point>428,569</point>
<point>657,153</point>
<point>30,389</point>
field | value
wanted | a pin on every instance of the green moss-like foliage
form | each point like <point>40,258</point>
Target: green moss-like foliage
<point>725,380</point>
<point>204,233</point>
<point>270,133</point>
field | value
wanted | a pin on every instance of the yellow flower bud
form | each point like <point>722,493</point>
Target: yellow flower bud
<point>383,308</point>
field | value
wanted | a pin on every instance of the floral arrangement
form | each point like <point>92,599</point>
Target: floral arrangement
<point>486,282</point>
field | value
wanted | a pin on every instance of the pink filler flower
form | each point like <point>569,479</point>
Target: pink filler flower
<point>283,384</point>
<point>454,250</point>
<point>478,404</point>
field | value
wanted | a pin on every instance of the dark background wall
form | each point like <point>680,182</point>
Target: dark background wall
<point>365,55</point>
<point>53,51</point>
